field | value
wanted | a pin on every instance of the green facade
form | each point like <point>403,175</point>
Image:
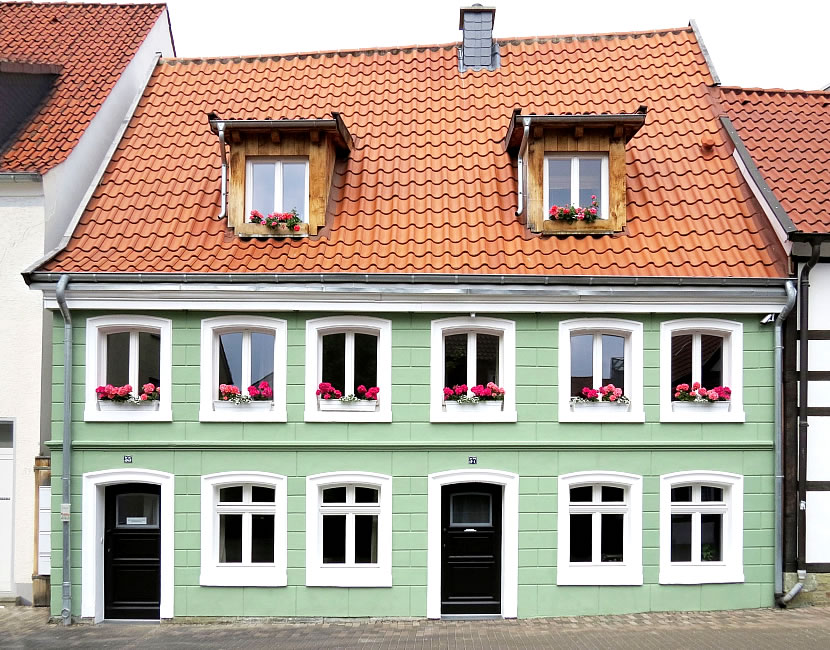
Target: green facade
<point>537,447</point>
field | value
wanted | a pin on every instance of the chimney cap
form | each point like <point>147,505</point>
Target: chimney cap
<point>476,8</point>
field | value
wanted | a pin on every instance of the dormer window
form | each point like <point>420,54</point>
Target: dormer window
<point>580,181</point>
<point>276,185</point>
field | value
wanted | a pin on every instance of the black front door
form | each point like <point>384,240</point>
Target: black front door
<point>471,548</point>
<point>132,551</point>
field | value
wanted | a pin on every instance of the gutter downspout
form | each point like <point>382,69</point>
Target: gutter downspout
<point>520,208</point>
<point>66,453</point>
<point>220,127</point>
<point>779,438</point>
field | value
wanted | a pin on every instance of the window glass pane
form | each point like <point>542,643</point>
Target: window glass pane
<point>262,358</point>
<point>711,538</point>
<point>613,361</point>
<point>149,359</point>
<point>365,495</point>
<point>262,538</point>
<point>455,360</point>
<point>231,494</point>
<point>711,361</point>
<point>137,510</point>
<point>263,188</point>
<point>118,359</point>
<point>613,494</point>
<point>590,182</point>
<point>487,359</point>
<point>334,495</point>
<point>611,542</point>
<point>334,539</point>
<point>559,182</point>
<point>581,538</point>
<point>709,493</point>
<point>584,494</point>
<point>471,508</point>
<point>366,539</point>
<point>681,538</point>
<point>681,361</point>
<point>582,363</point>
<point>262,494</point>
<point>365,361</point>
<point>681,494</point>
<point>334,360</point>
<point>230,360</point>
<point>230,538</point>
<point>293,188</point>
<point>6,437</point>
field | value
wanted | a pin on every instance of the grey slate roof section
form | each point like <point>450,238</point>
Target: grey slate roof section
<point>478,50</point>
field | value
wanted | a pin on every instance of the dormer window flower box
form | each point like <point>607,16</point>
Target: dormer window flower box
<point>572,170</point>
<point>284,224</point>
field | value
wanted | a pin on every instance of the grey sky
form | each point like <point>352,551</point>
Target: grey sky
<point>767,44</point>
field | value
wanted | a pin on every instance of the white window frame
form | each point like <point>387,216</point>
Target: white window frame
<point>315,330</point>
<point>213,573</point>
<point>506,331</point>
<point>209,368</point>
<point>348,575</point>
<point>97,329</point>
<point>731,569</point>
<point>733,352</point>
<point>277,160</point>
<point>628,572</point>
<point>632,332</point>
<point>574,158</point>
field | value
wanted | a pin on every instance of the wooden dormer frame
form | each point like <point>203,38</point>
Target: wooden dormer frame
<point>605,134</point>
<point>317,141</point>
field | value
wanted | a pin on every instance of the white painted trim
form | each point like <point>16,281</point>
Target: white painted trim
<point>208,358</point>
<point>254,575</point>
<point>99,325</point>
<point>92,535</point>
<point>574,157</point>
<point>314,329</point>
<point>322,575</point>
<point>762,201</point>
<point>506,331</point>
<point>694,573</point>
<point>733,354</point>
<point>632,331</point>
<point>629,572</point>
<point>510,534</point>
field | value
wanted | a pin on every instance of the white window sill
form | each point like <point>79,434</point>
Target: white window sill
<point>601,412</point>
<point>599,574</point>
<point>243,576</point>
<point>262,412</point>
<point>163,413</point>
<point>331,576</point>
<point>360,406</point>
<point>699,574</point>
<point>703,413</point>
<point>347,415</point>
<point>480,412</point>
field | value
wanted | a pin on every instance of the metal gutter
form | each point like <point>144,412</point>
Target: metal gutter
<point>66,452</point>
<point>220,130</point>
<point>768,196</point>
<point>96,179</point>
<point>706,57</point>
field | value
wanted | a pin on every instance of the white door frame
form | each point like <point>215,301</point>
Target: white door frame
<point>509,534</point>
<point>92,536</point>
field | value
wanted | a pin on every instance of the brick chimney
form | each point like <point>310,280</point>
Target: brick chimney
<point>478,50</point>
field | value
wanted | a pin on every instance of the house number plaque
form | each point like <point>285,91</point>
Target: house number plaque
<point>128,459</point>
<point>472,460</point>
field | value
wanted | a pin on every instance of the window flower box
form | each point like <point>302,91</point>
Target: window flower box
<point>702,406</point>
<point>605,406</point>
<point>451,406</point>
<point>253,405</point>
<point>134,407</point>
<point>361,405</point>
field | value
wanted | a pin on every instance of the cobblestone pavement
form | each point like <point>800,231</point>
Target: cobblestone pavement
<point>24,627</point>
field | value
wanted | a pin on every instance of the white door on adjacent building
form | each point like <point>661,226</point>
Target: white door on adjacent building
<point>6,494</point>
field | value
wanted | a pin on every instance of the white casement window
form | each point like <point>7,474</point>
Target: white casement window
<point>600,529</point>
<point>243,530</point>
<point>348,352</point>
<point>242,351</point>
<point>276,185</point>
<point>349,530</point>
<point>134,350</point>
<point>572,179</point>
<point>594,353</point>
<point>708,351</point>
<point>701,527</point>
<point>472,351</point>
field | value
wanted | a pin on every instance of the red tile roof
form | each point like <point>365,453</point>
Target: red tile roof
<point>787,133</point>
<point>92,44</point>
<point>428,187</point>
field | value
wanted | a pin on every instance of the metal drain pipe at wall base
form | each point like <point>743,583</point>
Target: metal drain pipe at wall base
<point>66,451</point>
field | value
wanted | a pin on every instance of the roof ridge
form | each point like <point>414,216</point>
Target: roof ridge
<point>83,4</point>
<point>777,91</point>
<point>427,46</point>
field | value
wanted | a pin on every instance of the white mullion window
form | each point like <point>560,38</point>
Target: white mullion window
<point>562,181</point>
<point>276,185</point>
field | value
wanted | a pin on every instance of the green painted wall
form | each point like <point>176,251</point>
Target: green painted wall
<point>650,449</point>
